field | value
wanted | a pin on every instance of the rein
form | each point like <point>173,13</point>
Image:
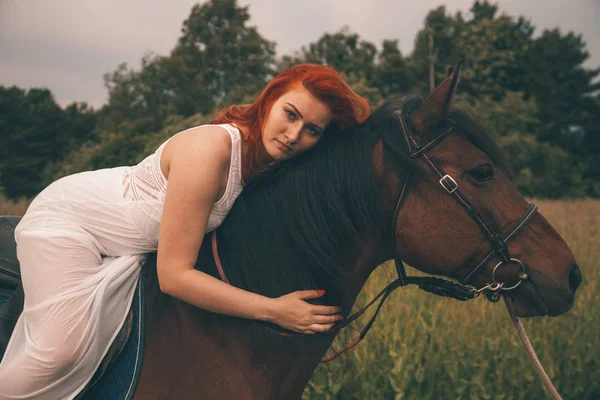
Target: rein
<point>530,351</point>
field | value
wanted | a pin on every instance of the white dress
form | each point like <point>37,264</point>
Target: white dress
<point>81,244</point>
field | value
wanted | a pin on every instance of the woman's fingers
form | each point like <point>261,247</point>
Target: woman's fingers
<point>327,319</point>
<point>319,327</point>
<point>308,318</point>
<point>310,294</point>
<point>326,310</point>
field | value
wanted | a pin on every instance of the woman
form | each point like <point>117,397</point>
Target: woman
<point>81,242</point>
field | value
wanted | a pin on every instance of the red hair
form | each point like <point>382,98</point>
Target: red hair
<point>347,107</point>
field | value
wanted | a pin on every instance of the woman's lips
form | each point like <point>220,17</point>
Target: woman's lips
<point>284,147</point>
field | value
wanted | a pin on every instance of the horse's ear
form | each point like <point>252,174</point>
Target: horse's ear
<point>437,104</point>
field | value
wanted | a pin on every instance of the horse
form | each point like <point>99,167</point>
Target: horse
<point>418,182</point>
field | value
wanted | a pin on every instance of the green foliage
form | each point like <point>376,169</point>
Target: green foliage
<point>218,46</point>
<point>518,85</point>
<point>392,74</point>
<point>511,115</point>
<point>35,131</point>
<point>218,60</point>
<point>564,88</point>
<point>440,30</point>
<point>343,51</point>
<point>117,149</point>
<point>533,93</point>
<point>353,58</point>
<point>493,49</point>
<point>542,169</point>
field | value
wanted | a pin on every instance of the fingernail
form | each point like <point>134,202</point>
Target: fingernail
<point>321,291</point>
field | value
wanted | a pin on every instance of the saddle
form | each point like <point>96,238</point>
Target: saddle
<point>119,371</point>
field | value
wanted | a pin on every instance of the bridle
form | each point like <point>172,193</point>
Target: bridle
<point>498,242</point>
<point>446,288</point>
<point>438,286</point>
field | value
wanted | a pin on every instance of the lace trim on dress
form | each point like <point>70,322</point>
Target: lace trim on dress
<point>145,185</point>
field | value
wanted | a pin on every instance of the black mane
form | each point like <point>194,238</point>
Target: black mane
<point>286,233</point>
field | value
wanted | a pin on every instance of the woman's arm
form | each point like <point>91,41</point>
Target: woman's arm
<point>198,165</point>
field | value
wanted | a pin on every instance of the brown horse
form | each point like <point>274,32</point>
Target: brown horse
<point>330,219</point>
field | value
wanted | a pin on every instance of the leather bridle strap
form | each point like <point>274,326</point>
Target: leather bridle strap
<point>215,251</point>
<point>399,265</point>
<point>516,229</point>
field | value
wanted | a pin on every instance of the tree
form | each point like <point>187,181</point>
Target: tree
<point>218,60</point>
<point>81,121</point>
<point>513,115</point>
<point>563,87</point>
<point>349,55</point>
<point>392,75</point>
<point>343,51</point>
<point>434,47</point>
<point>493,49</point>
<point>491,46</point>
<point>569,102</point>
<point>218,50</point>
<point>542,169</point>
<point>36,131</point>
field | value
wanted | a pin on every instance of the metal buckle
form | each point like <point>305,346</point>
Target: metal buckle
<point>449,184</point>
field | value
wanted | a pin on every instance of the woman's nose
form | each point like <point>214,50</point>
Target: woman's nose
<point>293,133</point>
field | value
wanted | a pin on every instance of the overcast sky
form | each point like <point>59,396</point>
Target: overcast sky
<point>67,45</point>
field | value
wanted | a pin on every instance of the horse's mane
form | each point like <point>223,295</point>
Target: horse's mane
<point>287,233</point>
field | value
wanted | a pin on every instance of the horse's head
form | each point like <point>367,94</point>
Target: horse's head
<point>451,226</point>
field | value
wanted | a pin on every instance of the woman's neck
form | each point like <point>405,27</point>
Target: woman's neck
<point>248,174</point>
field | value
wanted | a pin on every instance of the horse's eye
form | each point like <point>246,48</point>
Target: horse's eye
<point>482,173</point>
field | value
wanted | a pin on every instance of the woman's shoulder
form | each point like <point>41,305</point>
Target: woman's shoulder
<point>197,147</point>
<point>201,139</point>
<point>219,134</point>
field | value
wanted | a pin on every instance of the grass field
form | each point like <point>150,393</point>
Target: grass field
<point>426,347</point>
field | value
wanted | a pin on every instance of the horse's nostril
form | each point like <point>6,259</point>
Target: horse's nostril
<point>575,277</point>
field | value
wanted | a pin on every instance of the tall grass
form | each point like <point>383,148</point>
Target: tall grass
<point>426,347</point>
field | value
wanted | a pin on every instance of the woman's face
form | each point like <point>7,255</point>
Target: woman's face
<point>295,123</point>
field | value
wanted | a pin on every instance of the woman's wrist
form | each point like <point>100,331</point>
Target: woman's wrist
<point>269,310</point>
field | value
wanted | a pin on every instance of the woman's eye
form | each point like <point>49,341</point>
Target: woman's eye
<point>291,116</point>
<point>313,131</point>
<point>482,173</point>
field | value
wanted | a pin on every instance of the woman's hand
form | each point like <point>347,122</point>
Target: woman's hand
<point>292,312</point>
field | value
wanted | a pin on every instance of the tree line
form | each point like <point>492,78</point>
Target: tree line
<point>531,91</point>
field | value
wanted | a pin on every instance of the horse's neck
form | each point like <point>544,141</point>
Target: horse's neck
<point>196,354</point>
